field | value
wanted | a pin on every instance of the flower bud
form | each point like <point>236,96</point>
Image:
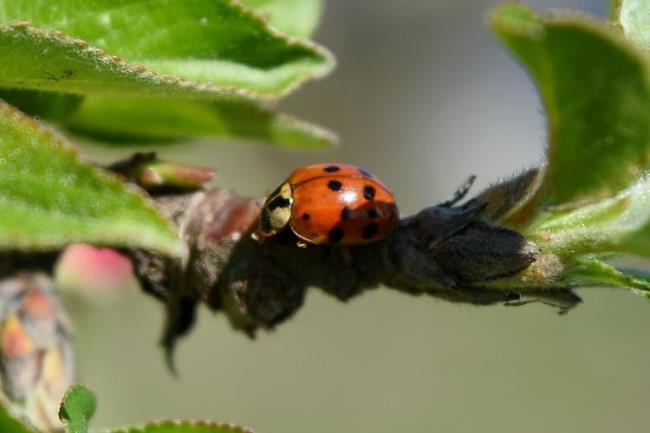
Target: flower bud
<point>153,174</point>
<point>100,275</point>
<point>36,358</point>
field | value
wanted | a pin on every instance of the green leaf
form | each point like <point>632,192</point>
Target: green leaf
<point>595,87</point>
<point>590,271</point>
<point>194,48</point>
<point>114,120</point>
<point>293,17</point>
<point>77,407</point>
<point>154,120</point>
<point>620,224</point>
<point>49,198</point>
<point>634,18</point>
<point>640,281</point>
<point>56,107</point>
<point>10,424</point>
<point>184,427</point>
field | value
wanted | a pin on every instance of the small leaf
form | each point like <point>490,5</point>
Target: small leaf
<point>595,87</point>
<point>588,271</point>
<point>154,120</point>
<point>77,407</point>
<point>184,427</point>
<point>634,18</point>
<point>197,48</point>
<point>620,224</point>
<point>49,198</point>
<point>293,17</point>
<point>640,281</point>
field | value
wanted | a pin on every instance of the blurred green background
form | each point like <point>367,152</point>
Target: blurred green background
<point>423,96</point>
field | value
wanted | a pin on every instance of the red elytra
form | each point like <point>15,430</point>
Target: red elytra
<point>331,204</point>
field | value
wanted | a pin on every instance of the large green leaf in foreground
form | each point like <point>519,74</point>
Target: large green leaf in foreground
<point>199,48</point>
<point>594,202</point>
<point>293,17</point>
<point>595,86</point>
<point>49,198</point>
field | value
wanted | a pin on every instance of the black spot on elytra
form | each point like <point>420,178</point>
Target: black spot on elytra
<point>372,213</point>
<point>370,231</point>
<point>365,172</point>
<point>334,185</point>
<point>331,169</point>
<point>305,216</point>
<point>346,213</point>
<point>368,192</point>
<point>279,201</point>
<point>336,234</point>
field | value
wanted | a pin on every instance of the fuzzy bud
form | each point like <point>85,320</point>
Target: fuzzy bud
<point>36,358</point>
<point>153,174</point>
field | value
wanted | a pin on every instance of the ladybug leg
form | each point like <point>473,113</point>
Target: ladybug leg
<point>258,236</point>
<point>563,299</point>
<point>460,193</point>
<point>344,253</point>
<point>347,256</point>
<point>301,244</point>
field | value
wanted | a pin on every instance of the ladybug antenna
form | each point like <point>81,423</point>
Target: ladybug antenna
<point>460,193</point>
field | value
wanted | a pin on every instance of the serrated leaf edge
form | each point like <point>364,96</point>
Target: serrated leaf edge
<point>317,131</point>
<point>182,423</point>
<point>201,88</point>
<point>327,55</point>
<point>57,140</point>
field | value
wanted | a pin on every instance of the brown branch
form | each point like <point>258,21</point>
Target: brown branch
<point>452,253</point>
<point>456,253</point>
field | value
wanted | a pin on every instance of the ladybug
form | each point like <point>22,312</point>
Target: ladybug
<point>330,204</point>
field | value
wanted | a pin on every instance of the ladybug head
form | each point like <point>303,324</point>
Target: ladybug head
<point>276,212</point>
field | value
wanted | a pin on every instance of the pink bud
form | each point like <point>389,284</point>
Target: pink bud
<point>102,274</point>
